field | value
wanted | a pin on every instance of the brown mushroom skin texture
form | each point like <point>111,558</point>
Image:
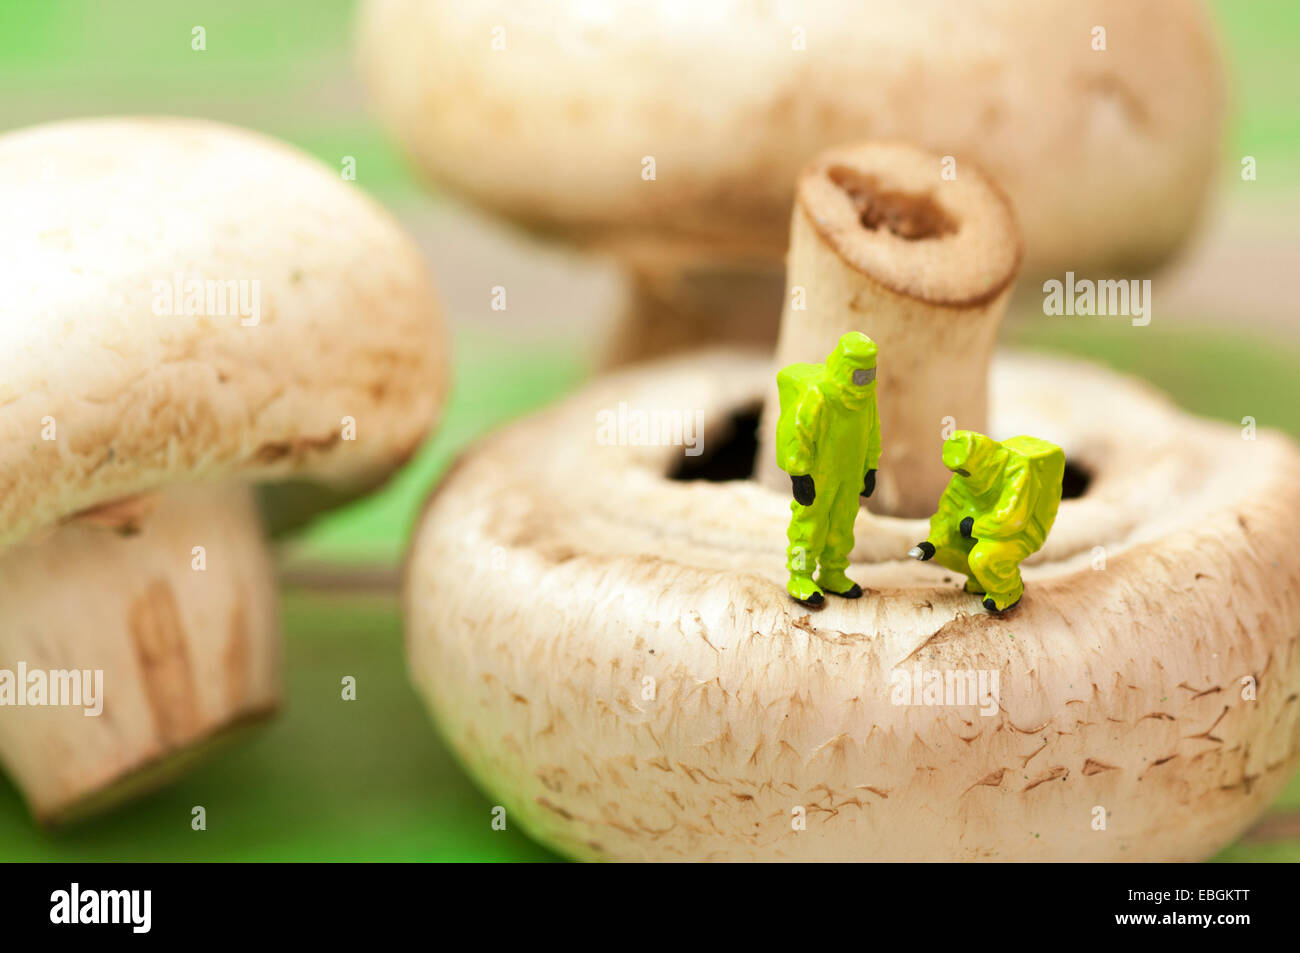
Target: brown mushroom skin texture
<point>1106,153</point>
<point>637,687</point>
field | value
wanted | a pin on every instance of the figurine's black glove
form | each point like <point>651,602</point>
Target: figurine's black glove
<point>922,551</point>
<point>965,526</point>
<point>868,483</point>
<point>804,491</point>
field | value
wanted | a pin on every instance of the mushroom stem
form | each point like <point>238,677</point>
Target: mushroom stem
<point>124,656</point>
<point>670,310</point>
<point>884,243</point>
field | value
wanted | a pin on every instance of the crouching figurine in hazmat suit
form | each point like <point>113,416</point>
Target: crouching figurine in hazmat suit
<point>998,509</point>
<point>828,440</point>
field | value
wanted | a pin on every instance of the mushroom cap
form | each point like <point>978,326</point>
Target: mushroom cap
<point>1105,153</point>
<point>116,232</point>
<point>612,653</point>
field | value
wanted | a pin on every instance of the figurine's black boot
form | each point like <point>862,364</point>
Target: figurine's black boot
<point>996,595</point>
<point>993,606</point>
<point>838,584</point>
<point>804,591</point>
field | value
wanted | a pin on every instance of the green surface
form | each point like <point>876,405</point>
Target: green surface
<point>1226,374</point>
<point>283,67</point>
<point>1260,39</point>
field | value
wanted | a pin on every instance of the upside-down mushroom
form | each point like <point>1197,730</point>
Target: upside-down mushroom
<point>188,308</point>
<point>604,636</point>
<point>669,134</point>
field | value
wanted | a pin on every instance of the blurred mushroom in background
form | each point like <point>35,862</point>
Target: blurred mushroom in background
<point>668,134</point>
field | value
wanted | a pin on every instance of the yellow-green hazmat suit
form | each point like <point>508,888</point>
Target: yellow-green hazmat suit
<point>997,509</point>
<point>828,440</point>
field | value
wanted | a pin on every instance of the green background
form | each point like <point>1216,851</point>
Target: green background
<point>369,779</point>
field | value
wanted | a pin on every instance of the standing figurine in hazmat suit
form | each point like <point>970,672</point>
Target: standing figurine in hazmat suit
<point>997,510</point>
<point>828,440</point>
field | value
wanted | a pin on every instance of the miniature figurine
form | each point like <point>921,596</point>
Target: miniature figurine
<point>997,510</point>
<point>828,441</point>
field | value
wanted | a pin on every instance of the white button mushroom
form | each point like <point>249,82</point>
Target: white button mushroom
<point>669,134</point>
<point>185,303</point>
<point>612,652</point>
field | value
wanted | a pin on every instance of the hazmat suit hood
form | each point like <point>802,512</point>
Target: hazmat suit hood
<point>974,457</point>
<point>851,371</point>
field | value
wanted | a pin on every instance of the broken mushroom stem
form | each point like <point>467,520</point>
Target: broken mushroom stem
<point>882,243</point>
